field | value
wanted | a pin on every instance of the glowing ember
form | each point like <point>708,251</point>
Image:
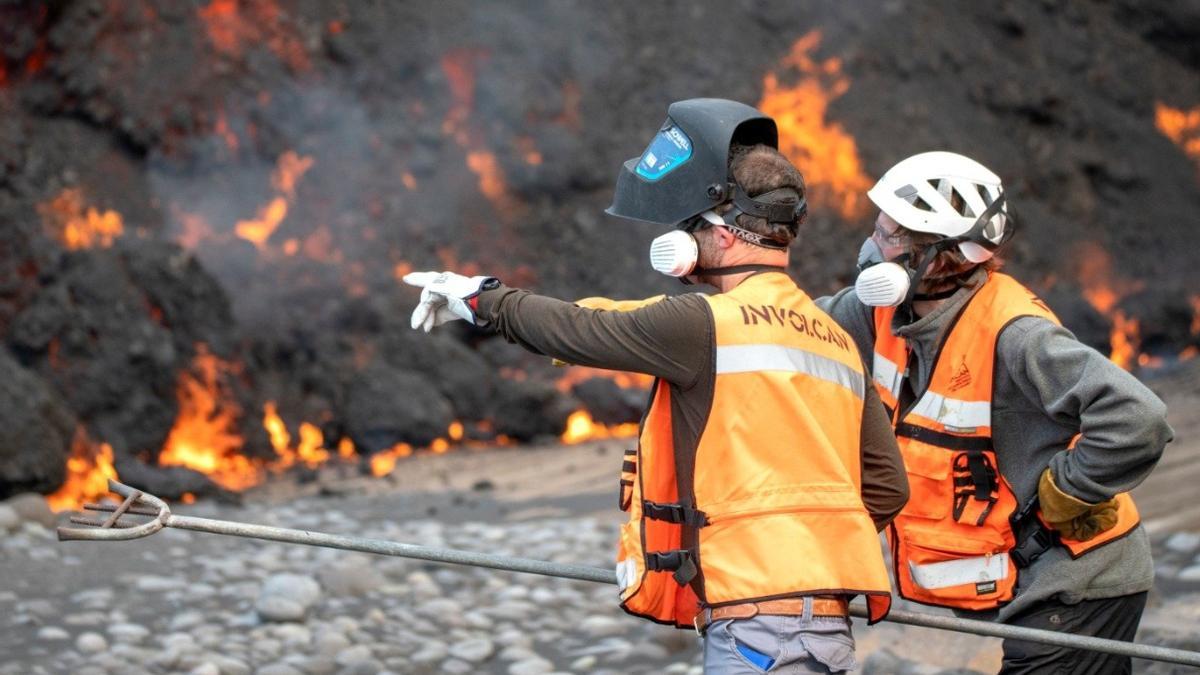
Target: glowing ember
<point>345,449</point>
<point>77,226</point>
<point>289,169</point>
<point>257,231</point>
<point>459,67</point>
<point>1181,126</point>
<point>88,470</point>
<point>382,463</point>
<point>230,27</point>
<point>824,151</point>
<point>205,436</point>
<point>581,427</point>
<point>455,432</point>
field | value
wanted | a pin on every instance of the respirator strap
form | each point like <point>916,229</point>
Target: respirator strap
<point>732,269</point>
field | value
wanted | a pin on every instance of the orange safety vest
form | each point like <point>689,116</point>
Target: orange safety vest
<point>953,543</point>
<point>769,503</point>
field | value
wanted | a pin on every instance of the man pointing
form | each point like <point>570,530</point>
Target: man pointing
<point>765,464</point>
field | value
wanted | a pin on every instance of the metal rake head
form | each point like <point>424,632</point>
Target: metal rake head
<point>117,526</point>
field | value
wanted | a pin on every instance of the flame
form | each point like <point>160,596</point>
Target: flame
<point>89,469</point>
<point>1181,126</point>
<point>581,427</point>
<point>1103,290</point>
<point>1125,340</point>
<point>76,226</point>
<point>205,437</point>
<point>823,150</point>
<point>289,169</point>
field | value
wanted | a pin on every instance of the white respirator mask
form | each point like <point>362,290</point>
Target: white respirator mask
<point>676,253</point>
<point>881,283</point>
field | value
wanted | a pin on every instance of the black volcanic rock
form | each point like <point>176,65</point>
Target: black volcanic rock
<point>36,430</point>
<point>528,410</point>
<point>386,406</point>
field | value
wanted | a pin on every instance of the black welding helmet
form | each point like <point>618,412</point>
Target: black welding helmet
<point>684,171</point>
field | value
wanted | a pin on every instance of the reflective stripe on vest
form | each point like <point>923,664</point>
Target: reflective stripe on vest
<point>774,483</point>
<point>768,357</point>
<point>951,543</point>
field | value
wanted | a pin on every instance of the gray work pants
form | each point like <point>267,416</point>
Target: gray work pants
<point>779,644</point>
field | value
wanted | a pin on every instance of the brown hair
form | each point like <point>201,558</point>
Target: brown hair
<point>760,169</point>
<point>946,264</point>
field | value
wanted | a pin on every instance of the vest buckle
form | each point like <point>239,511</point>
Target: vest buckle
<point>674,513</point>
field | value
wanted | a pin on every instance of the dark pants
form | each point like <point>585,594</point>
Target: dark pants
<point>1112,618</point>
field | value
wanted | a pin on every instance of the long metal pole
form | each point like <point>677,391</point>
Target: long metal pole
<point>606,576</point>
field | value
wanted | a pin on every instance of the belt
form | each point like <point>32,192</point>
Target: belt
<point>822,605</point>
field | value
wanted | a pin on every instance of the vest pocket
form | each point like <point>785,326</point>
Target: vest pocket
<point>932,490</point>
<point>971,571</point>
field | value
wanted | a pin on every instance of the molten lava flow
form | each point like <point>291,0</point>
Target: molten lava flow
<point>581,427</point>
<point>289,169</point>
<point>89,469</point>
<point>824,151</point>
<point>77,226</point>
<point>205,436</point>
<point>1181,126</point>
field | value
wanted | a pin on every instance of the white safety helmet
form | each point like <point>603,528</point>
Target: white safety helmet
<point>945,193</point>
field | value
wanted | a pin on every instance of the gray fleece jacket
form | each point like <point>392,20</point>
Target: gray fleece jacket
<point>1048,387</point>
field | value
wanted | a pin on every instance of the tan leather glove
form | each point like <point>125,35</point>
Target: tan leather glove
<point>613,306</point>
<point>1074,518</point>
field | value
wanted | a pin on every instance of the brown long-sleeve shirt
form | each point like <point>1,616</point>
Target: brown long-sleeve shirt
<point>673,340</point>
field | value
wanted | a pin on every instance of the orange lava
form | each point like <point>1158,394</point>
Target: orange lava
<point>77,226</point>
<point>89,469</point>
<point>823,150</point>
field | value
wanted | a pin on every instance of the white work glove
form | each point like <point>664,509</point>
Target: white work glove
<point>445,297</point>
